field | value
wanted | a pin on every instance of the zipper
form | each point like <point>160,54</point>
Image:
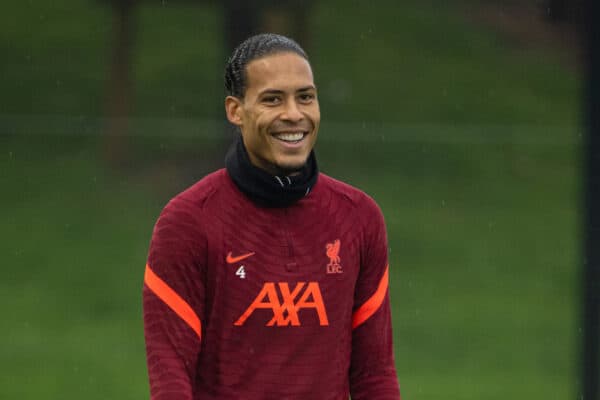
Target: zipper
<point>291,265</point>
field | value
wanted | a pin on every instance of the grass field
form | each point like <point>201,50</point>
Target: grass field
<point>469,145</point>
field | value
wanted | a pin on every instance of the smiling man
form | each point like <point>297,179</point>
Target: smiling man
<point>267,279</point>
<point>278,114</point>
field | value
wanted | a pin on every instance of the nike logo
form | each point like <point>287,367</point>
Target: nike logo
<point>232,260</point>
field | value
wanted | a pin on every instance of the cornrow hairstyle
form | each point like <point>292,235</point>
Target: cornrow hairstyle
<point>251,49</point>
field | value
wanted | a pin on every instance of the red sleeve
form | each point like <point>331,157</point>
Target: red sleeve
<point>173,298</point>
<point>372,370</point>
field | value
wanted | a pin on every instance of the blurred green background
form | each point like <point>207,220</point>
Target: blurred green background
<point>462,119</point>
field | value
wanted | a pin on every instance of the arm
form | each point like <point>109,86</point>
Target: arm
<point>372,370</point>
<point>173,297</point>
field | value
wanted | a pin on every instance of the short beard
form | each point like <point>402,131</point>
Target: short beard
<point>285,170</point>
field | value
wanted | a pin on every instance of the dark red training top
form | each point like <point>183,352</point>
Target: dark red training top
<point>244,302</point>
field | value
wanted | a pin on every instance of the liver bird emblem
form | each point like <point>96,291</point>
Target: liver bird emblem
<point>333,253</point>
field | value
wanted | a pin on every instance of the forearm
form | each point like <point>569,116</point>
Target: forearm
<point>373,373</point>
<point>171,351</point>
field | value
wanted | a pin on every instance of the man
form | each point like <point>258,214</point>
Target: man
<point>267,279</point>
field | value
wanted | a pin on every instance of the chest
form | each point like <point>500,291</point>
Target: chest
<point>282,267</point>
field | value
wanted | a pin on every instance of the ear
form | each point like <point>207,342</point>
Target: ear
<point>233,108</point>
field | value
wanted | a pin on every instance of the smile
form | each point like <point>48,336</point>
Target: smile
<point>290,137</point>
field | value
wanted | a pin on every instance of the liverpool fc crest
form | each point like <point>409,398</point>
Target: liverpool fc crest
<point>333,253</point>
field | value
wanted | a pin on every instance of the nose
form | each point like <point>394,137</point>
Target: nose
<point>292,112</point>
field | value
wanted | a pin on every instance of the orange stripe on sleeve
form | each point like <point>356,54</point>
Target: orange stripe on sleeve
<point>369,308</point>
<point>173,300</point>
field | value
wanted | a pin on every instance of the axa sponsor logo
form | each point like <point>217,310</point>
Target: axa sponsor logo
<point>285,303</point>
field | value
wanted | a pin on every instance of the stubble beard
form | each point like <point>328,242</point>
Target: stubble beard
<point>289,169</point>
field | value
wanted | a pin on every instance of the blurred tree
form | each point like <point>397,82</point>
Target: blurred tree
<point>286,17</point>
<point>119,82</point>
<point>241,20</point>
<point>570,11</point>
<point>590,314</point>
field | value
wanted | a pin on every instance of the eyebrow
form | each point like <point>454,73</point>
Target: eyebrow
<point>278,91</point>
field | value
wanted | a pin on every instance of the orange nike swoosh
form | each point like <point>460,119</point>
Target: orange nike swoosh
<point>231,259</point>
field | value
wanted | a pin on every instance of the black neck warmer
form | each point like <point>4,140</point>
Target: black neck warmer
<point>263,188</point>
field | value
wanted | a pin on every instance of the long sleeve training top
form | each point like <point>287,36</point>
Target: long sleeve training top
<point>256,303</point>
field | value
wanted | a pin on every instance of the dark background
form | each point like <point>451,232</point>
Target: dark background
<point>463,120</point>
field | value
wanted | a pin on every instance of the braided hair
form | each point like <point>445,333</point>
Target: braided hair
<point>255,47</point>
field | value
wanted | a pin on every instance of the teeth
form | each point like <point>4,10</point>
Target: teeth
<point>290,137</point>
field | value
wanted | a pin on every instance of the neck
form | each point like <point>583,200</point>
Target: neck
<point>269,185</point>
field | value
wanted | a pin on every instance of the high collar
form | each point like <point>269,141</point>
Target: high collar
<point>268,190</point>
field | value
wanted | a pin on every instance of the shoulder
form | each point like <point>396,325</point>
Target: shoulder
<point>180,230</point>
<point>197,195</point>
<point>342,192</point>
<point>189,205</point>
<point>183,222</point>
<point>359,209</point>
<point>203,190</point>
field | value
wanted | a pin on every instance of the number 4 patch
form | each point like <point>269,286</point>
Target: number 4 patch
<point>241,272</point>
